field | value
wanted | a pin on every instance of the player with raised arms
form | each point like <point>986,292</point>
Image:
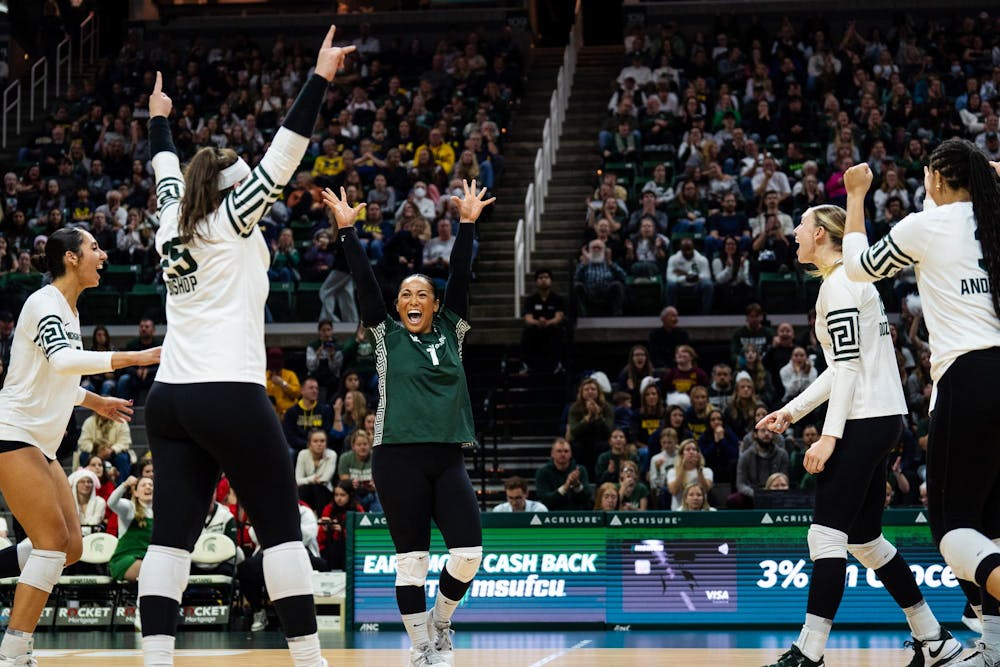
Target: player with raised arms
<point>954,243</point>
<point>208,410</point>
<point>423,420</point>
<point>863,423</point>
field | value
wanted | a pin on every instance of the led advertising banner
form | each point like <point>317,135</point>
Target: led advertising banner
<point>650,568</point>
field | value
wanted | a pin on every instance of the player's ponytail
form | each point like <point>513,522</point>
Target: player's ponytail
<point>963,165</point>
<point>833,219</point>
<point>201,191</point>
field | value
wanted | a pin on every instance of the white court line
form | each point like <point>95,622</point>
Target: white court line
<point>549,658</point>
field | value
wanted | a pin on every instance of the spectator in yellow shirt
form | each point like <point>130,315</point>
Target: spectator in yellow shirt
<point>283,387</point>
<point>441,151</point>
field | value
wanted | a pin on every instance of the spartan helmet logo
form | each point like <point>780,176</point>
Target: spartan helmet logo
<point>99,546</point>
<point>210,545</point>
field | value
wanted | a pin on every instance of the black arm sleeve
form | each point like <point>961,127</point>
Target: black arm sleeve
<point>301,118</point>
<point>373,310</point>
<point>456,294</point>
<point>159,136</point>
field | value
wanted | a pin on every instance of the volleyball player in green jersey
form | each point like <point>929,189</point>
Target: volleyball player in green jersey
<point>423,421</point>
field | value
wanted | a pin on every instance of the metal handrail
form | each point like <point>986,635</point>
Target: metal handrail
<point>88,38</point>
<point>44,81</point>
<point>7,106</point>
<point>60,59</point>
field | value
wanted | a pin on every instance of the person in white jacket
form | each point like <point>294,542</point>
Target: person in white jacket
<point>91,507</point>
<point>314,468</point>
<point>688,270</point>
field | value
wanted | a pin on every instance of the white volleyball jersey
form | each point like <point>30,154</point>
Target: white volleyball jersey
<point>861,379</point>
<point>217,284</point>
<point>941,243</point>
<point>46,363</point>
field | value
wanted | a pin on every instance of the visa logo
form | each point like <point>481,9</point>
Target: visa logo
<point>717,596</point>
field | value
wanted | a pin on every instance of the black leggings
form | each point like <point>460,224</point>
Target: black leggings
<point>196,430</point>
<point>420,482</point>
<point>963,448</point>
<point>850,492</point>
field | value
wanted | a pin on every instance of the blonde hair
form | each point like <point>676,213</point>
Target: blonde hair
<point>601,490</point>
<point>773,479</point>
<point>833,219</point>
<point>705,507</point>
<point>679,459</point>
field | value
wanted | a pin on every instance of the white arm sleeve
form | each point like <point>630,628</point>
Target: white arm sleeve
<point>904,245</point>
<point>69,361</point>
<point>123,508</point>
<point>812,397</point>
<point>245,205</point>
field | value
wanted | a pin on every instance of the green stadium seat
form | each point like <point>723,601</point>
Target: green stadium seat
<point>302,230</point>
<point>120,276</point>
<point>100,306</point>
<point>643,296</point>
<point>145,301</point>
<point>281,301</point>
<point>307,304</point>
<point>778,292</point>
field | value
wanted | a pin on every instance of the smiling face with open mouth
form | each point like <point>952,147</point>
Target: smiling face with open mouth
<point>416,304</point>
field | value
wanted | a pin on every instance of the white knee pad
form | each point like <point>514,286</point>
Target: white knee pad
<point>43,569</point>
<point>411,568</point>
<point>964,549</point>
<point>464,563</point>
<point>826,542</point>
<point>164,572</point>
<point>874,554</point>
<point>287,571</point>
<point>23,551</point>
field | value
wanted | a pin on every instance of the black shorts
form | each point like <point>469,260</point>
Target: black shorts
<point>197,431</point>
<point>963,448</point>
<point>14,445</point>
<point>420,482</point>
<point>850,492</point>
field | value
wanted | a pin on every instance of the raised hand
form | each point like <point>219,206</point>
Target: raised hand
<point>472,204</point>
<point>858,179</point>
<point>159,103</point>
<point>343,213</point>
<point>331,58</point>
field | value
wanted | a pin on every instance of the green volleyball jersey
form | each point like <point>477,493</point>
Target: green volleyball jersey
<point>423,395</point>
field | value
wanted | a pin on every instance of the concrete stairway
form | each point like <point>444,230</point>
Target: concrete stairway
<point>573,179</point>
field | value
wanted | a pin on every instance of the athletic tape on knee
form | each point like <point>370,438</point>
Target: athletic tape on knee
<point>164,572</point>
<point>464,563</point>
<point>964,548</point>
<point>874,554</point>
<point>287,571</point>
<point>411,568</point>
<point>23,551</point>
<point>43,569</point>
<point>826,542</point>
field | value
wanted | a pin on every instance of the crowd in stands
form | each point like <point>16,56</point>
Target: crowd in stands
<point>668,434</point>
<point>404,124</point>
<point>715,143</point>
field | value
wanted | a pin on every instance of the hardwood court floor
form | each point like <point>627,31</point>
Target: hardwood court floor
<point>568,657</point>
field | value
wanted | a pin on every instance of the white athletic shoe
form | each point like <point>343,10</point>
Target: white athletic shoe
<point>441,635</point>
<point>26,660</point>
<point>137,620</point>
<point>985,656</point>
<point>259,621</point>
<point>971,621</point>
<point>424,655</point>
<point>944,650</point>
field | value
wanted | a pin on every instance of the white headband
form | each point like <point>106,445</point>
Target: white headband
<point>233,174</point>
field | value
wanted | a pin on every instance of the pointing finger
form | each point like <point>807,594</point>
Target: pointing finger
<point>158,86</point>
<point>328,42</point>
